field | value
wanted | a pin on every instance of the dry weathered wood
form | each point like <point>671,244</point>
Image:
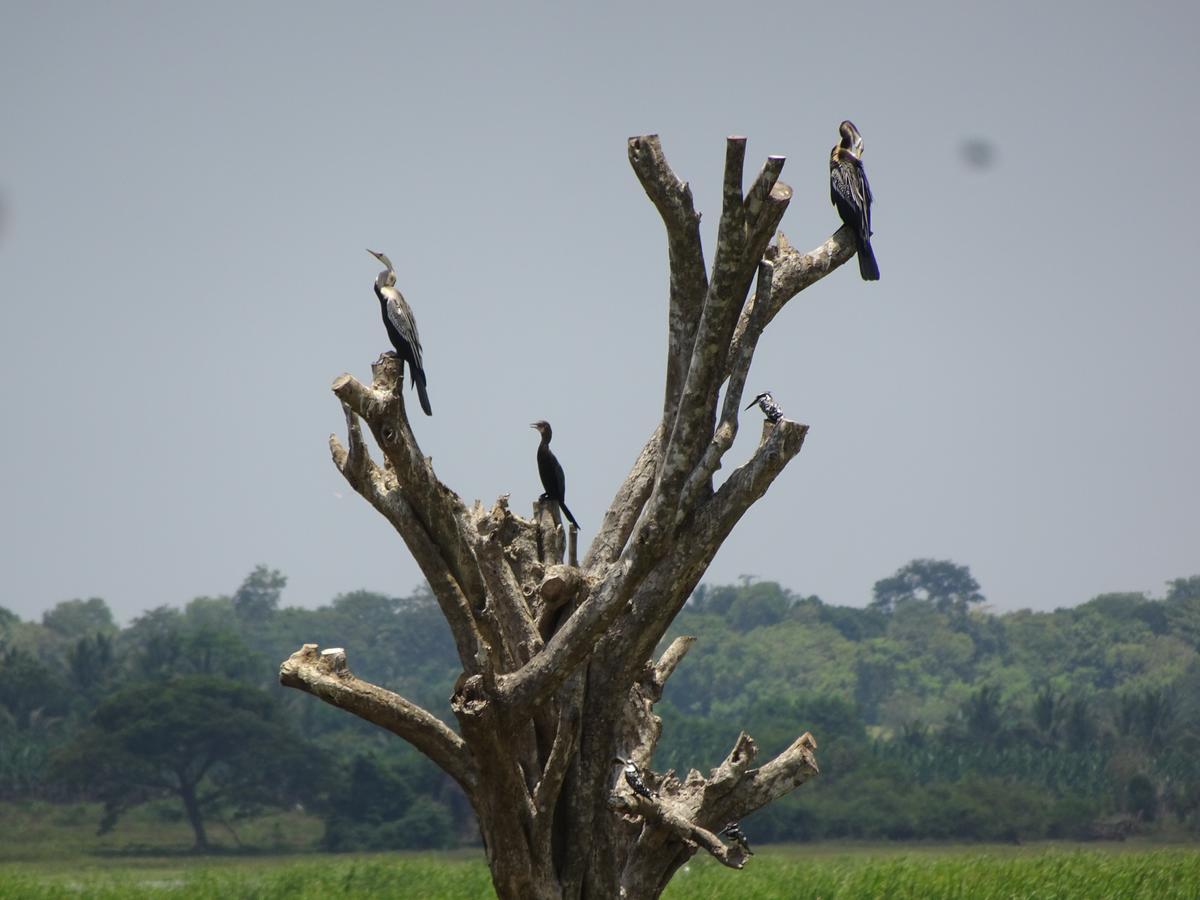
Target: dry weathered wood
<point>327,675</point>
<point>559,674</point>
<point>671,658</point>
<point>626,505</point>
<point>689,282</point>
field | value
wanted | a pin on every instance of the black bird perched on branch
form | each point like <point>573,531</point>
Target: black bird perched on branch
<point>734,833</point>
<point>851,194</point>
<point>553,480</point>
<point>633,778</point>
<point>401,327</point>
<point>768,405</point>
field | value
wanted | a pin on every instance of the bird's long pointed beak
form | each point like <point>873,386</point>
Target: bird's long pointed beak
<point>752,402</point>
<point>533,424</point>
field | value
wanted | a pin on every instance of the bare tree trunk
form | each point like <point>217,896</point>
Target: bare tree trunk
<point>558,670</point>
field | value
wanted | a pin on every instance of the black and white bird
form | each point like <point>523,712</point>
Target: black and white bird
<point>401,327</point>
<point>554,482</point>
<point>851,194</point>
<point>767,404</point>
<point>734,833</point>
<point>633,778</point>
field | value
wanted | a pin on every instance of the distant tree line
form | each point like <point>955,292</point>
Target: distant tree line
<point>935,718</point>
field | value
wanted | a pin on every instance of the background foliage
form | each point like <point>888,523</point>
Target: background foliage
<point>935,718</point>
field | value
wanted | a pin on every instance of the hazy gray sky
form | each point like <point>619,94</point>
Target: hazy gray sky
<point>188,190</point>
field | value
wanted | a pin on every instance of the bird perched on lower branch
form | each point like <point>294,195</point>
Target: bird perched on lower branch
<point>851,194</point>
<point>767,404</point>
<point>554,482</point>
<point>633,778</point>
<point>401,328</point>
<point>734,833</point>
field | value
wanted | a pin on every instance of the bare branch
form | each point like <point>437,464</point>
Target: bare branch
<point>711,338</point>
<point>689,282</point>
<point>740,362</point>
<point>663,816</point>
<point>780,442</point>
<point>793,272</point>
<point>671,658</point>
<point>725,776</point>
<point>740,244</point>
<point>760,190</point>
<point>520,538</point>
<point>438,509</point>
<point>743,352</point>
<point>354,462</point>
<point>560,585</point>
<point>761,227</point>
<point>626,505</point>
<point>733,857</point>
<point>508,602</point>
<point>566,737</point>
<point>568,648</point>
<point>758,787</point>
<point>325,675</point>
<point>550,531</point>
<point>665,589</point>
<point>380,489</point>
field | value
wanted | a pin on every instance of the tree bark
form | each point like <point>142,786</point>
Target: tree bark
<point>558,675</point>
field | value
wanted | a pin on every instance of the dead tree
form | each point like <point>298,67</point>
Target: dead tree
<point>557,676</point>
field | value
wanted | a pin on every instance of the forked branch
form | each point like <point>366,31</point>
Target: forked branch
<point>689,282</point>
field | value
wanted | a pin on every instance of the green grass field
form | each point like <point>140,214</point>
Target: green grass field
<point>52,852</point>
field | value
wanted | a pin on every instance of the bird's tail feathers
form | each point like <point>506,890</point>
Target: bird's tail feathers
<point>567,513</point>
<point>421,393</point>
<point>867,267</point>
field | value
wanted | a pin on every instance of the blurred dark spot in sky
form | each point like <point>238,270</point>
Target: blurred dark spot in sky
<point>978,153</point>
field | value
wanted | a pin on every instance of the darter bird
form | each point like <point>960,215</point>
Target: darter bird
<point>851,194</point>
<point>553,480</point>
<point>401,327</point>
<point>767,404</point>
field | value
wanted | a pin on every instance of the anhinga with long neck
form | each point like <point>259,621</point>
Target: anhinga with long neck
<point>554,482</point>
<point>851,194</point>
<point>401,327</point>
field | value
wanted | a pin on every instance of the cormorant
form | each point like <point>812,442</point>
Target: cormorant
<point>553,479</point>
<point>734,833</point>
<point>768,405</point>
<point>851,194</point>
<point>633,778</point>
<point>401,327</point>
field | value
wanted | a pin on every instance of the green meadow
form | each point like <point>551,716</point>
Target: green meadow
<point>776,873</point>
<point>51,851</point>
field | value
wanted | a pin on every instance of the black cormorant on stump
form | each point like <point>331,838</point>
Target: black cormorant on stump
<point>554,482</point>
<point>401,327</point>
<point>851,194</point>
